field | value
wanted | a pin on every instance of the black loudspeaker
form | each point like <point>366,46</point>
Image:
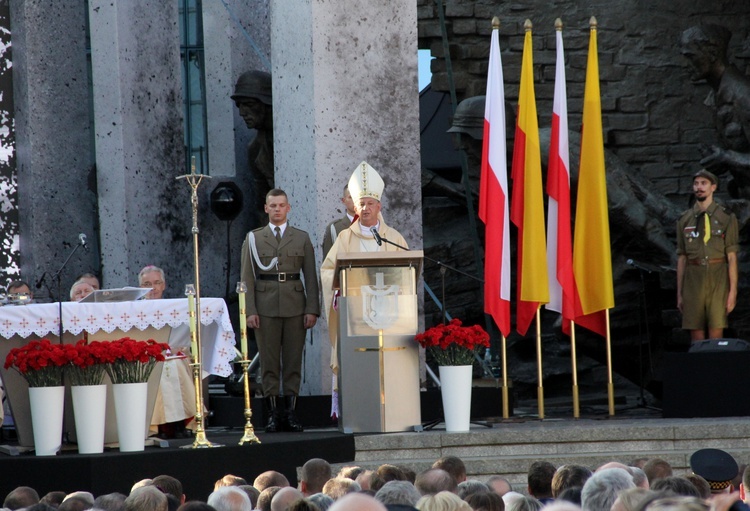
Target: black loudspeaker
<point>707,383</point>
<point>710,345</point>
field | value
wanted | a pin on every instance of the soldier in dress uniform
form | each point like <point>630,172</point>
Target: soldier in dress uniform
<point>278,266</point>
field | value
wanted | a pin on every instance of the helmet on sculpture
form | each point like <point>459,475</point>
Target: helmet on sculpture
<point>253,84</point>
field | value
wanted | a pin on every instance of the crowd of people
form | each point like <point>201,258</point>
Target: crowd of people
<point>715,483</point>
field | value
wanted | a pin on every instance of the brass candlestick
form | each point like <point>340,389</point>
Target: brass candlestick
<point>194,180</point>
<point>249,436</point>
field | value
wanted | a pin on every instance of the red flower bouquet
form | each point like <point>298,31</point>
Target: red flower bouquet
<point>88,362</point>
<point>41,363</point>
<point>132,361</point>
<point>454,344</point>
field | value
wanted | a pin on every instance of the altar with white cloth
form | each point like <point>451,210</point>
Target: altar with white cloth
<point>164,320</point>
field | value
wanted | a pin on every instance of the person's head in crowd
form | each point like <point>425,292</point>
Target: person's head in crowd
<point>340,486</point>
<point>525,503</point>
<point>657,468</point>
<point>385,473</point>
<point>614,464</point>
<point>499,485</point>
<point>350,472</point>
<point>737,481</point>
<point>398,492</point>
<point>173,503</point>
<point>87,497</point>
<point>510,497</point>
<point>630,500</point>
<point>270,478</point>
<point>704,490</point>
<point>485,501</point>
<point>639,478</point>
<point>20,497</point>
<point>141,484</point>
<point>54,498</point>
<point>153,277</point>
<point>409,474</point>
<point>357,502</point>
<point>266,496</point>
<point>569,476</point>
<point>90,278</point>
<point>145,498</point>
<point>314,474</point>
<point>303,504</point>
<point>638,462</point>
<point>540,479</point>
<point>601,489</point>
<point>80,290</point>
<point>284,497</point>
<point>676,485</point>
<point>170,486</point>
<point>19,287</point>
<point>453,465</point>
<point>572,495</point>
<point>363,480</point>
<point>443,501</point>
<point>40,506</point>
<point>321,500</point>
<point>229,480</point>
<point>76,503</point>
<point>469,487</point>
<point>435,480</point>
<point>677,503</point>
<point>715,466</point>
<point>744,486</point>
<point>110,502</point>
<point>252,493</point>
<point>195,505</point>
<point>229,498</point>
<point>562,505</point>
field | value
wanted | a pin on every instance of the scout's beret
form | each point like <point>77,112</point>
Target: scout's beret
<point>708,175</point>
<point>715,466</point>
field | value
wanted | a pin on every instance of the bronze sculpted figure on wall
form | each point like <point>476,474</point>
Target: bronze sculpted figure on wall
<point>252,96</point>
<point>705,47</point>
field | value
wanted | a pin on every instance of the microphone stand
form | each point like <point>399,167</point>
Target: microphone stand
<point>58,279</point>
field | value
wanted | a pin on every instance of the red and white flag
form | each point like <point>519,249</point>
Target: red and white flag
<point>493,195</point>
<point>559,237</point>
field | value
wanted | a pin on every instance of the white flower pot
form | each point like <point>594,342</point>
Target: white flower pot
<point>455,386</point>
<point>47,418</point>
<point>130,409</point>
<point>89,408</point>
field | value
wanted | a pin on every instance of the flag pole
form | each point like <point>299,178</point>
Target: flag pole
<point>610,384</point>
<point>506,404</point>
<point>540,388</point>
<point>576,404</point>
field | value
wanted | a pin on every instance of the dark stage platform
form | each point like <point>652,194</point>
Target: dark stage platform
<point>198,469</point>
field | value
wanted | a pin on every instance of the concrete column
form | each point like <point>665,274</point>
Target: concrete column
<point>345,90</point>
<point>56,178</point>
<point>144,213</point>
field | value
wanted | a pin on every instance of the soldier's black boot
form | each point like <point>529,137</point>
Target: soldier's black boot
<point>292,423</point>
<point>273,425</point>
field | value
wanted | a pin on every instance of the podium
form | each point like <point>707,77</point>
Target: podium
<point>377,355</point>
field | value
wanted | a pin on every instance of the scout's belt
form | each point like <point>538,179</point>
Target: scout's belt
<point>704,261</point>
<point>279,277</point>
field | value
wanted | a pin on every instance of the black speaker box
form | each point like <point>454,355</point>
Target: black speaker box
<point>706,384</point>
<point>719,345</point>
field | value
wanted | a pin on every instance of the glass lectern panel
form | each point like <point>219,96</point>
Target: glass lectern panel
<point>380,298</point>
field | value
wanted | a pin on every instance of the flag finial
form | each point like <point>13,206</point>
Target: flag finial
<point>558,25</point>
<point>592,23</point>
<point>527,25</point>
<point>495,22</point>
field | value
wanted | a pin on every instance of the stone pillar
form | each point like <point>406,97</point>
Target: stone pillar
<point>144,213</point>
<point>56,178</point>
<point>345,90</point>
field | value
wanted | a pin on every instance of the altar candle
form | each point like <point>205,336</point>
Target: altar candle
<point>190,292</point>
<point>241,290</point>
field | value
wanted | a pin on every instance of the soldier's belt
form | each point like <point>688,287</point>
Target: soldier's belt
<point>704,261</point>
<point>279,277</point>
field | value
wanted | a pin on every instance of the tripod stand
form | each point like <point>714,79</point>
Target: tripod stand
<point>643,270</point>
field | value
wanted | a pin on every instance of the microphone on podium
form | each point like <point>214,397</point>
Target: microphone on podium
<point>376,235</point>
